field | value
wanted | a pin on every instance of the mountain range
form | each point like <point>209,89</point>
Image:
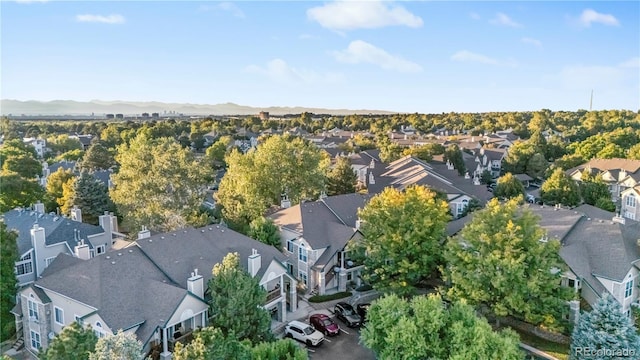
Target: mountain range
<point>98,108</point>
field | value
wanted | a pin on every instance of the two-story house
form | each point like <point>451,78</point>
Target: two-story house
<point>618,174</point>
<point>630,203</point>
<point>41,237</point>
<point>315,235</point>
<point>155,288</point>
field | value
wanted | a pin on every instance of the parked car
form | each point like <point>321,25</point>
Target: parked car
<point>346,313</point>
<point>362,311</point>
<point>324,324</point>
<point>303,332</point>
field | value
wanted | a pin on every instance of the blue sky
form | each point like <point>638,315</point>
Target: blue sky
<point>406,56</point>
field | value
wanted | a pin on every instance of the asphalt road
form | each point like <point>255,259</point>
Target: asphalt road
<point>342,347</point>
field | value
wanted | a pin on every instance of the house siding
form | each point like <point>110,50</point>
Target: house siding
<point>70,309</point>
<point>42,326</point>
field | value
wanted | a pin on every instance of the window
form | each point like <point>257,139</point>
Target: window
<point>302,254</point>
<point>33,308</point>
<point>59,315</point>
<point>628,289</point>
<point>630,201</point>
<point>303,277</point>
<point>572,283</point>
<point>98,330</point>
<point>100,249</point>
<point>48,261</point>
<point>35,340</point>
<point>24,268</point>
<point>26,257</point>
<point>290,269</point>
<point>290,246</point>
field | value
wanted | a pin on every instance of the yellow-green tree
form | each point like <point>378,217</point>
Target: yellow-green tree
<point>559,188</point>
<point>509,187</point>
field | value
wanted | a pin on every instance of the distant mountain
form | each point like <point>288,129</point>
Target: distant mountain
<point>97,107</point>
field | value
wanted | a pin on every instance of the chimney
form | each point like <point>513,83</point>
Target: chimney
<point>372,180</point>
<point>618,219</point>
<point>372,164</point>
<point>76,214</point>
<point>622,174</point>
<point>144,233</point>
<point>195,284</point>
<point>323,195</point>
<point>39,207</point>
<point>38,243</point>
<point>81,251</point>
<point>255,261</point>
<point>285,202</point>
<point>358,223</point>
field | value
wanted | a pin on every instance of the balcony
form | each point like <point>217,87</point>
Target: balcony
<point>272,295</point>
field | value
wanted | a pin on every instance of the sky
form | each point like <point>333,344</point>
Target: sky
<point>405,56</point>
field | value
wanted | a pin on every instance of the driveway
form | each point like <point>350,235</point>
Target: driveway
<point>342,347</point>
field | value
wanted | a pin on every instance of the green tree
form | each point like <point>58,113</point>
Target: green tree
<point>159,184</point>
<point>22,164</point>
<point>605,328</point>
<point>341,179</point>
<point>486,177</point>
<point>90,195</point>
<point>559,188</point>
<point>54,187</point>
<point>232,285</point>
<point>425,328</point>
<point>212,343</point>
<point>634,152</point>
<point>8,281</point>
<point>403,232</point>
<point>594,190</point>
<point>73,343</point>
<point>97,157</point>
<point>217,151</point>
<point>569,161</point>
<point>71,155</point>
<point>518,157</point>
<point>18,191</point>
<point>605,204</point>
<point>611,151</point>
<point>256,180</point>
<point>520,273</point>
<point>282,350</point>
<point>453,154</point>
<point>60,144</point>
<point>121,346</point>
<point>536,166</point>
<point>509,187</point>
<point>265,231</point>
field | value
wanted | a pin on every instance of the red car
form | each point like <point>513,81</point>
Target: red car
<point>324,324</point>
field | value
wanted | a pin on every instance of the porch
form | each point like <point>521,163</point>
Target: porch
<point>178,332</point>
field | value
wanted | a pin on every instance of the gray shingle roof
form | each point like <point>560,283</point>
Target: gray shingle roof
<point>178,255</point>
<point>557,222</point>
<point>57,229</point>
<point>124,286</point>
<point>65,165</point>
<point>345,207</point>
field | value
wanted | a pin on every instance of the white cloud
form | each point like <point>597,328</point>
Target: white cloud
<point>590,16</point>
<point>631,63</point>
<point>532,41</point>
<point>468,56</point>
<point>359,51</point>
<point>349,15</point>
<point>504,20</point>
<point>228,7</point>
<point>110,19</point>
<point>474,16</point>
<point>279,71</point>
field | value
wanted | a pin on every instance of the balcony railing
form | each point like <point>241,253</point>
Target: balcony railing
<point>272,295</point>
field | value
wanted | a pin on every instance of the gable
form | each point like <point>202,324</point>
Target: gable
<point>186,309</point>
<point>274,270</point>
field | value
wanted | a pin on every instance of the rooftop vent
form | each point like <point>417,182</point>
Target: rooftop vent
<point>113,263</point>
<point>174,234</point>
<point>202,230</point>
<point>108,257</point>
<point>119,254</point>
<point>589,219</point>
<point>210,229</point>
<point>162,237</point>
<point>150,240</point>
<point>130,250</point>
<point>217,226</point>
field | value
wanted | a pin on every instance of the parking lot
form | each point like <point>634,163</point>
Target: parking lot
<point>342,347</point>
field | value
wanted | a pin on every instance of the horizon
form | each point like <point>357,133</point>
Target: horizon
<point>403,57</point>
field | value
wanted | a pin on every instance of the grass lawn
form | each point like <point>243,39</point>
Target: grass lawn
<point>559,351</point>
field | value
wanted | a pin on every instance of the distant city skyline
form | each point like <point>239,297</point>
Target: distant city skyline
<point>403,56</point>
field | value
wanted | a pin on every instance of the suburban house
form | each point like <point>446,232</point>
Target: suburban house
<point>491,160</point>
<point>41,237</point>
<point>155,288</point>
<point>409,170</point>
<point>39,144</point>
<point>600,248</point>
<point>314,237</point>
<point>630,203</point>
<point>50,169</point>
<point>618,174</point>
<point>85,140</point>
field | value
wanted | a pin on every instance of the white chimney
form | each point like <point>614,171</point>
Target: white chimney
<point>82,251</point>
<point>39,207</point>
<point>372,164</point>
<point>144,233</point>
<point>285,202</point>
<point>195,284</point>
<point>38,243</point>
<point>358,223</point>
<point>622,174</point>
<point>372,180</point>
<point>76,214</point>
<point>255,262</point>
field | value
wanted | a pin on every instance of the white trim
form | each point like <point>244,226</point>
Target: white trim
<point>66,297</point>
<point>31,339</point>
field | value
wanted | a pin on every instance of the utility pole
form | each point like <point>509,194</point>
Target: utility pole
<point>591,101</point>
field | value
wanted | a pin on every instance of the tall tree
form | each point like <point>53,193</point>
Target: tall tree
<point>212,343</point>
<point>232,285</point>
<point>97,157</point>
<point>256,180</point>
<point>90,195</point>
<point>159,184</point>
<point>216,152</point>
<point>425,328</point>
<point>518,157</point>
<point>509,187</point>
<point>73,343</point>
<point>559,188</point>
<point>592,189</point>
<point>18,191</point>
<point>453,154</point>
<point>8,281</point>
<point>634,152</point>
<point>265,231</point>
<point>341,179</point>
<point>403,232</point>
<point>605,330</point>
<point>55,182</point>
<point>121,346</point>
<point>537,165</point>
<point>520,274</point>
